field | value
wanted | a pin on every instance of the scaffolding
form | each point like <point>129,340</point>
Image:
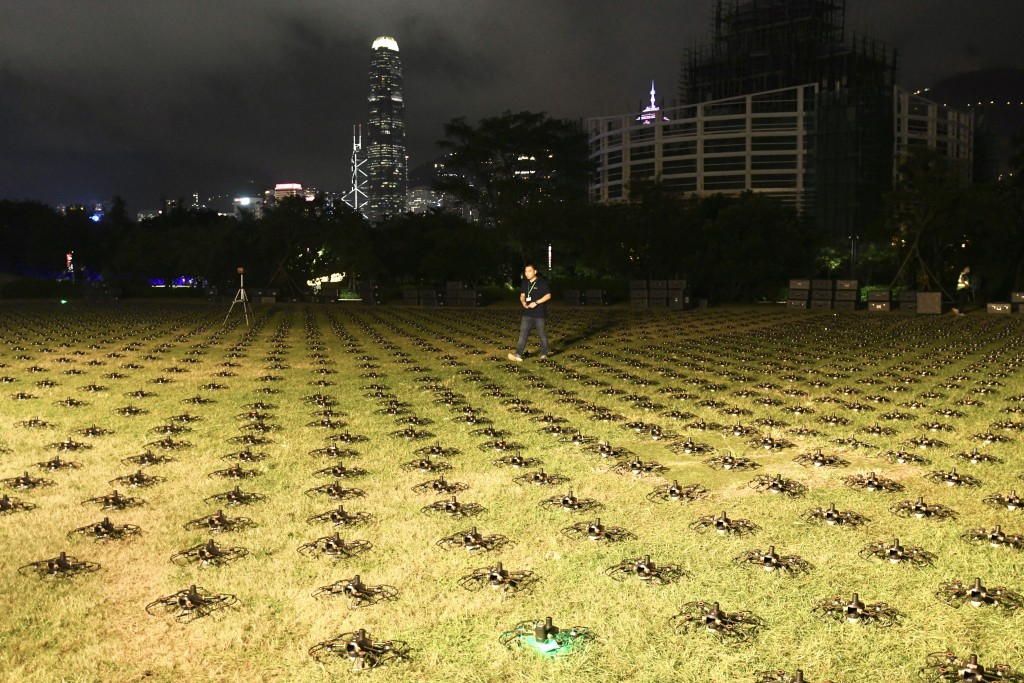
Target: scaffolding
<point>762,45</point>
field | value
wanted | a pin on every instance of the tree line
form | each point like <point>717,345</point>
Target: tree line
<point>524,176</point>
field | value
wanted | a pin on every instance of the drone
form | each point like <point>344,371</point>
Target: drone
<point>245,455</point>
<point>546,638</point>
<point>58,464</point>
<point>606,450</point>
<point>946,667</point>
<point>675,492</point>
<point>440,485</point>
<point>854,611</point>
<point>426,465</point>
<point>597,532</point>
<point>336,491</point>
<point>516,460</point>
<point>61,567</point>
<point>236,496</point>
<point>341,517</point>
<point>819,459</point>
<point>115,501</point>
<point>500,445</point>
<point>1011,501</point>
<point>169,444</point>
<point>358,593</point>
<point>147,459</point>
<point>138,480</point>
<point>723,525</point>
<point>437,450</point>
<point>690,447</point>
<point>207,554</point>
<point>361,650</point>
<point>499,579</point>
<point>9,505</point>
<point>976,458</point>
<point>922,510</point>
<point>35,423</point>
<point>105,530</point>
<point>956,594</point>
<point>235,472</point>
<point>219,522</point>
<point>902,457</point>
<point>732,628</point>
<point>192,603</point>
<point>68,444</point>
<point>472,540</point>
<point>570,503</point>
<point>639,467</point>
<point>339,471</point>
<point>995,537</point>
<point>730,462</point>
<point>334,546</point>
<point>952,478</point>
<point>453,508</point>
<point>770,561</point>
<point>335,451</point>
<point>541,478</point>
<point>777,484</point>
<point>646,570</point>
<point>872,482</point>
<point>894,553</point>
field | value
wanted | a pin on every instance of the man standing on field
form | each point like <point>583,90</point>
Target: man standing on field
<point>534,296</point>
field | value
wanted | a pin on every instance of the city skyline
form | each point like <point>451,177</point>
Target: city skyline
<point>142,100</point>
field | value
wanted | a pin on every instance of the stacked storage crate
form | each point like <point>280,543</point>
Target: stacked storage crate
<point>880,300</point>
<point>638,293</point>
<point>845,296</point>
<point>1017,299</point>
<point>678,295</point>
<point>369,292</point>
<point>908,301</point>
<point>799,293</point>
<point>594,297</point>
<point>821,294</point>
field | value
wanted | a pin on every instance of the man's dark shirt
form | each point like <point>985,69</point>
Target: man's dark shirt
<point>535,290</point>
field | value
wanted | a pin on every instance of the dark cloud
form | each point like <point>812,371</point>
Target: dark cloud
<point>146,98</point>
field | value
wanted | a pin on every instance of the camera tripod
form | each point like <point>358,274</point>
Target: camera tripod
<point>241,298</point>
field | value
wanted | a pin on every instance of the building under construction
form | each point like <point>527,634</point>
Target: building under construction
<point>764,45</point>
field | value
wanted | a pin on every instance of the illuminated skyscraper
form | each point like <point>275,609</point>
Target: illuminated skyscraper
<point>385,151</point>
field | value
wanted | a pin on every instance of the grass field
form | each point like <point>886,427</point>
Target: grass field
<point>804,378</point>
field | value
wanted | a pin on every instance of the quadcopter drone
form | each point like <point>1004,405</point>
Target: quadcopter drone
<point>219,522</point>
<point>731,628</point>
<point>995,537</point>
<point>453,508</point>
<point>61,567</point>
<point>675,492</point>
<point>207,554</point>
<point>956,594</point>
<point>115,501</point>
<point>770,561</point>
<point>191,603</point>
<point>105,530</point>
<point>777,484</point>
<point>472,540</point>
<point>946,667</point>
<point>546,638</point>
<point>358,593</point>
<point>570,503</point>
<point>854,611</point>
<point>236,496</point>
<point>895,553</point>
<point>498,578</point>
<point>597,532</point>
<point>922,510</point>
<point>722,524</point>
<point>646,570</point>
<point>334,546</point>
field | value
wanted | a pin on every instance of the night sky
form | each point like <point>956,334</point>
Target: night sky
<point>148,98</point>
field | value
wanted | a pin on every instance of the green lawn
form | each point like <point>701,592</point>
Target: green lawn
<point>734,367</point>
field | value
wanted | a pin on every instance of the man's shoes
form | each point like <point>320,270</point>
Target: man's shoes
<point>956,311</point>
<point>518,359</point>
